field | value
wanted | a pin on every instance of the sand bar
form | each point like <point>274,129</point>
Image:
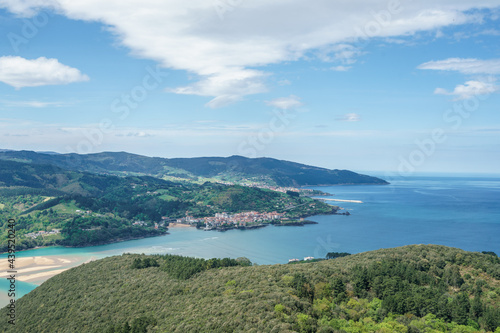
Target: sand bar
<point>38,278</point>
<point>38,269</point>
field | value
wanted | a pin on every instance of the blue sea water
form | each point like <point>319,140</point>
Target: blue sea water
<point>461,212</point>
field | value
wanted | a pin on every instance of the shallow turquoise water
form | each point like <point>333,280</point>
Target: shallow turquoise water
<point>458,212</point>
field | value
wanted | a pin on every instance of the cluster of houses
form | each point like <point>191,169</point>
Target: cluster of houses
<point>43,233</point>
<point>268,187</point>
<point>241,219</point>
<point>145,224</point>
<point>83,211</point>
<point>297,260</point>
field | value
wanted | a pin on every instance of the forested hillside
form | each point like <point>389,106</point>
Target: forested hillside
<point>418,288</point>
<point>234,168</point>
<point>90,209</point>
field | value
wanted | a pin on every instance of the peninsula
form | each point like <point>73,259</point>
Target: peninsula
<point>112,197</point>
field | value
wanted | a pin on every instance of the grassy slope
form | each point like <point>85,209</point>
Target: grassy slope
<point>91,297</point>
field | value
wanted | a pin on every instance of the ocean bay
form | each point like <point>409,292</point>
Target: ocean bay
<point>457,212</point>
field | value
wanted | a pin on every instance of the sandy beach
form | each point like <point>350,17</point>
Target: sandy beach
<point>36,270</point>
<point>179,225</point>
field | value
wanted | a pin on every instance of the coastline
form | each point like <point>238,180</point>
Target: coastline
<point>118,240</point>
<point>37,269</point>
<point>173,225</point>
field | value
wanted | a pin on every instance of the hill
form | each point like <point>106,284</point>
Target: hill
<point>82,208</point>
<point>231,169</point>
<point>418,288</point>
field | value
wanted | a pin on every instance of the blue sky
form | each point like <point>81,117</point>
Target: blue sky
<point>399,86</point>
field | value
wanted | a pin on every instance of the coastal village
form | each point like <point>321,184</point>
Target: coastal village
<point>270,187</point>
<point>221,221</point>
<point>43,233</point>
<point>235,220</point>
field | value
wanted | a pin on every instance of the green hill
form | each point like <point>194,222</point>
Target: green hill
<point>92,209</point>
<point>418,288</point>
<point>234,168</point>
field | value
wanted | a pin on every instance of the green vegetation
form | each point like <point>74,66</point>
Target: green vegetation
<point>235,169</point>
<point>185,267</point>
<point>333,255</point>
<point>419,288</point>
<point>90,209</point>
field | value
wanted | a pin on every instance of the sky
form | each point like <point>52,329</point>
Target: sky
<point>395,86</point>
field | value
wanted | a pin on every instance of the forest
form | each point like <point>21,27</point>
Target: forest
<point>417,288</point>
<point>91,209</point>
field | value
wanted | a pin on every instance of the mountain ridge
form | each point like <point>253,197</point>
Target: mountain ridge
<point>229,169</point>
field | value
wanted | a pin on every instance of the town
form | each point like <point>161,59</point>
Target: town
<point>245,219</point>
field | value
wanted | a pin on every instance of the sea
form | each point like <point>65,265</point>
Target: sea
<point>461,212</point>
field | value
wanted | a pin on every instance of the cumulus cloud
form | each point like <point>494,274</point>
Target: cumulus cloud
<point>226,52</point>
<point>481,70</point>
<point>465,65</point>
<point>285,103</point>
<point>469,89</point>
<point>20,72</point>
<point>349,117</point>
<point>228,87</point>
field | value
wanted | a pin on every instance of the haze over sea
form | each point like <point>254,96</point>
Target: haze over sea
<point>461,212</point>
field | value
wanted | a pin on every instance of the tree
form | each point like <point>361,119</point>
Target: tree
<point>333,255</point>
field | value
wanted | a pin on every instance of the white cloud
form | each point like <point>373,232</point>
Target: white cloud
<point>20,72</point>
<point>344,53</point>
<point>340,68</point>
<point>469,89</point>
<point>32,104</point>
<point>228,87</point>
<point>349,117</point>
<point>285,103</point>
<point>139,134</point>
<point>468,66</point>
<point>465,65</point>
<point>228,52</point>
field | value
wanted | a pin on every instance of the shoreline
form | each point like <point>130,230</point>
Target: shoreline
<point>89,245</point>
<point>174,225</point>
<point>37,269</point>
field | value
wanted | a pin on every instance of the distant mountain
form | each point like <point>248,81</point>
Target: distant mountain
<point>233,168</point>
<point>48,152</point>
<point>14,174</point>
